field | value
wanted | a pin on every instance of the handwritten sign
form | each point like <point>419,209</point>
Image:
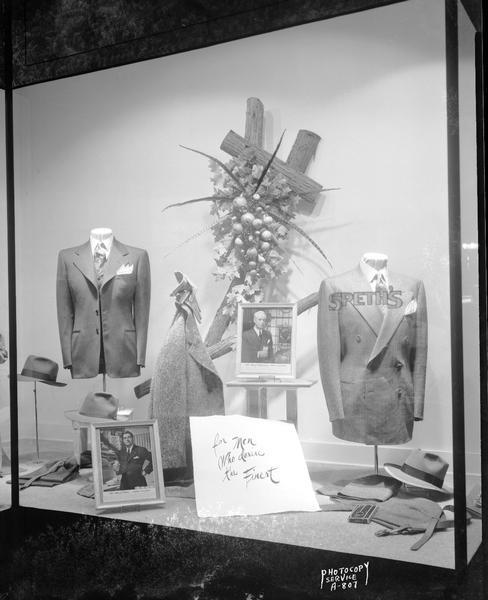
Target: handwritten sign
<point>247,466</point>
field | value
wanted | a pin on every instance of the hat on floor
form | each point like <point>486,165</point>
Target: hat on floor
<point>97,406</point>
<point>421,469</point>
<point>38,368</point>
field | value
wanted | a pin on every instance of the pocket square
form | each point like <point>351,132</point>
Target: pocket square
<point>411,307</point>
<point>126,269</point>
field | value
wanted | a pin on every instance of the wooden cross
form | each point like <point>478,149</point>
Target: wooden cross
<point>293,169</point>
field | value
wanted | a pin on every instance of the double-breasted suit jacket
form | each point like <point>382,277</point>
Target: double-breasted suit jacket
<point>372,362</point>
<point>116,315</point>
<point>252,343</point>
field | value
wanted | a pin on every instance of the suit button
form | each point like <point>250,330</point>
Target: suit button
<point>97,332</point>
<point>96,312</point>
<point>358,338</point>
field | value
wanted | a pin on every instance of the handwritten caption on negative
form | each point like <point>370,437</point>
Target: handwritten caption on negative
<point>235,458</point>
<point>344,578</point>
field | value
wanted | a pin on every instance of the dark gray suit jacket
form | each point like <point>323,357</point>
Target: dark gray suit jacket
<point>372,364</point>
<point>124,298</point>
<point>251,344</point>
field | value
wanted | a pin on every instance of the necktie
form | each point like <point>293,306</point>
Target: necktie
<point>381,291</point>
<point>380,282</point>
<point>99,260</point>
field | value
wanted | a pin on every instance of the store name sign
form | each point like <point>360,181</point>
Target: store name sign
<point>389,298</point>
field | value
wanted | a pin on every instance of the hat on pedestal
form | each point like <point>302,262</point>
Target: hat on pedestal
<point>39,368</point>
<point>96,407</point>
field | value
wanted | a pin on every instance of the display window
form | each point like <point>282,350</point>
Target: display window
<point>303,198</point>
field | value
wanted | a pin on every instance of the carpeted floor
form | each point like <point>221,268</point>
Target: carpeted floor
<point>321,530</point>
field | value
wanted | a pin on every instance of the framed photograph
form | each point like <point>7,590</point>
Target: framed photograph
<point>127,466</point>
<point>266,340</point>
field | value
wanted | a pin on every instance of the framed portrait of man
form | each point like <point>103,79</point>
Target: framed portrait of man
<point>266,340</point>
<point>127,466</point>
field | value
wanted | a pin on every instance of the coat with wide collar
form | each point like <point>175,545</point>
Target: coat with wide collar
<point>185,383</point>
<point>372,362</point>
<point>117,314</point>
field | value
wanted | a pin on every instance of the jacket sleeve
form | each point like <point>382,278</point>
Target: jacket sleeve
<point>65,311</point>
<point>149,467</point>
<point>270,348</point>
<point>141,306</point>
<point>329,352</point>
<point>420,354</point>
<point>248,353</point>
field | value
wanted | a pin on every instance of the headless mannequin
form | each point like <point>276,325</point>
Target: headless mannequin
<point>102,235</point>
<point>105,236</point>
<point>377,261</point>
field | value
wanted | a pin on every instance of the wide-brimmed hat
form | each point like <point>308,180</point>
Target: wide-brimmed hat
<point>97,406</point>
<point>38,368</point>
<point>421,469</point>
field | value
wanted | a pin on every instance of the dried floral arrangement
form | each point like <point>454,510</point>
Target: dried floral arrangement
<point>254,207</point>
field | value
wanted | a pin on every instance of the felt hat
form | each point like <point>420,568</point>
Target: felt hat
<point>421,469</point>
<point>96,407</point>
<point>38,368</point>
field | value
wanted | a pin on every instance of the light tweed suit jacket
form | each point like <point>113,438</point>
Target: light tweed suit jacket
<point>372,363</point>
<point>124,304</point>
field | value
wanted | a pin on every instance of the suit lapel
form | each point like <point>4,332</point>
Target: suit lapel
<point>392,319</point>
<point>357,282</point>
<point>196,347</point>
<point>84,262</point>
<point>116,258</point>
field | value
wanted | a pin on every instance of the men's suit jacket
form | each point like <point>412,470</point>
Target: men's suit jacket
<point>124,302</point>
<point>131,467</point>
<point>251,344</point>
<point>372,364</point>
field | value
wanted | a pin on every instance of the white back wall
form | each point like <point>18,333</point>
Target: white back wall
<point>103,150</point>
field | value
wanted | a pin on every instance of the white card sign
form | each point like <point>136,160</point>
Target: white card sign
<point>247,466</point>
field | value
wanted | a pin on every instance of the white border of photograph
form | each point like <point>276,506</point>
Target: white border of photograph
<point>105,500</point>
<point>265,370</point>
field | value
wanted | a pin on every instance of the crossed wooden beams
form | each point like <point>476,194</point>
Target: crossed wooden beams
<point>251,146</point>
<point>293,169</point>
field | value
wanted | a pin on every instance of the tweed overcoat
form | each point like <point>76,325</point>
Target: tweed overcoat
<point>118,314</point>
<point>185,383</point>
<point>372,362</point>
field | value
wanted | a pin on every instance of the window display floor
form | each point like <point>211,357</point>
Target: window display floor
<point>322,530</point>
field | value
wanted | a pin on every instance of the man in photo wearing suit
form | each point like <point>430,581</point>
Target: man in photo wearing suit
<point>257,343</point>
<point>133,463</point>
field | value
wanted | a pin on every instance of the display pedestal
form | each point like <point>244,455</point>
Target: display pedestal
<point>257,395</point>
<point>80,437</point>
<point>81,429</point>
